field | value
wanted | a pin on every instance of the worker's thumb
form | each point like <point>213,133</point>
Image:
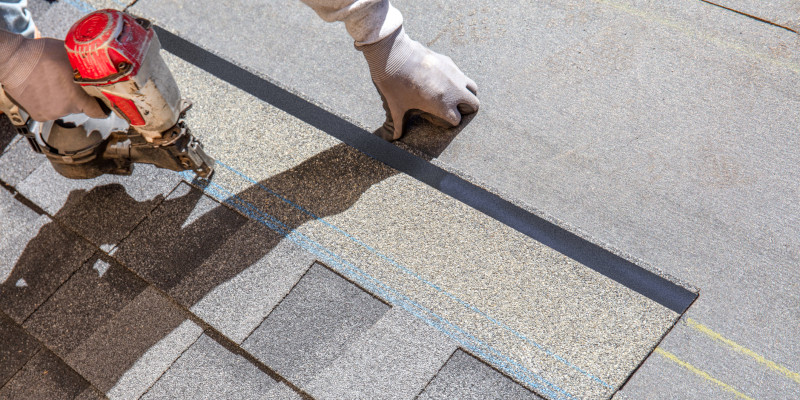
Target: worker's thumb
<point>91,107</point>
<point>398,117</point>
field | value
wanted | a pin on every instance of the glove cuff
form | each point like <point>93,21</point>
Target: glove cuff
<point>20,56</point>
<point>386,56</point>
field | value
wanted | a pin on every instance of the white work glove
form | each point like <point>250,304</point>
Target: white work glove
<point>409,76</point>
<point>15,18</point>
<point>36,73</point>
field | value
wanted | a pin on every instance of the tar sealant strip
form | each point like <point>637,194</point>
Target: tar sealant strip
<point>657,288</point>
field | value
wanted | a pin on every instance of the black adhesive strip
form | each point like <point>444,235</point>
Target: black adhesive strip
<point>636,278</point>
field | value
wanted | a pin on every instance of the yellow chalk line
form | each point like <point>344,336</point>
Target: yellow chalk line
<point>701,373</point>
<point>744,350</point>
<point>687,30</point>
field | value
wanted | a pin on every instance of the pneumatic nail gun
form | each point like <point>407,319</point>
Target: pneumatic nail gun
<point>115,58</point>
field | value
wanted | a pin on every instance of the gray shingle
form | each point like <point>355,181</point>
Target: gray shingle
<point>152,364</point>
<point>16,348</point>
<point>18,160</point>
<point>46,259</point>
<point>45,376</point>
<point>112,349</point>
<point>238,305</point>
<point>209,371</point>
<point>466,377</point>
<point>282,392</point>
<point>312,325</point>
<point>83,304</point>
<point>18,226</point>
<point>104,209</point>
<point>54,19</point>
<point>177,238</point>
<point>393,360</point>
<point>7,133</point>
<point>91,393</point>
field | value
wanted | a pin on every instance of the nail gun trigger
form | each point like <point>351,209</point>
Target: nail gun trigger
<point>186,104</point>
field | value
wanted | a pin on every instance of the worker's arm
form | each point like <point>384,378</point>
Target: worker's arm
<point>407,74</point>
<point>15,17</point>
<point>36,73</point>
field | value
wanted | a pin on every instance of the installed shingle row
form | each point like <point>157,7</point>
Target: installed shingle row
<point>103,327</point>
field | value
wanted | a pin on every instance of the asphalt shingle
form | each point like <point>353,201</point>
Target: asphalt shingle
<point>18,160</point>
<point>55,18</point>
<point>45,376</point>
<point>18,226</point>
<point>7,133</point>
<point>466,377</point>
<point>91,393</point>
<point>104,209</point>
<point>415,244</point>
<point>282,392</point>
<point>393,360</point>
<point>509,299</point>
<point>151,365</point>
<point>49,257</point>
<point>209,371</point>
<point>16,348</point>
<point>312,325</point>
<point>604,127</point>
<point>113,4</point>
<point>99,290</point>
<point>177,238</point>
<point>103,357</point>
<point>266,267</point>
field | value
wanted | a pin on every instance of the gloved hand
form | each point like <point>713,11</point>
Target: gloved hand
<point>38,76</point>
<point>409,76</point>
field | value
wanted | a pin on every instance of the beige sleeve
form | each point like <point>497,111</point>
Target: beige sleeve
<point>367,21</point>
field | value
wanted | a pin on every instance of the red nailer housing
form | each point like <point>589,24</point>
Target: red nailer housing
<point>116,58</point>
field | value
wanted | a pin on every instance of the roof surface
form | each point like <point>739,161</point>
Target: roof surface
<point>627,159</point>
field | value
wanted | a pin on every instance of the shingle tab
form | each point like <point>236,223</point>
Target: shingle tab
<point>312,325</point>
<point>48,258</point>
<point>91,393</point>
<point>158,358</point>
<point>282,392</point>
<point>267,266</point>
<point>18,160</point>
<point>16,348</point>
<point>465,377</point>
<point>177,238</point>
<point>83,304</point>
<point>104,209</point>
<point>18,225</point>
<point>209,371</point>
<point>393,360</point>
<point>7,133</point>
<point>45,376</point>
<point>111,350</point>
